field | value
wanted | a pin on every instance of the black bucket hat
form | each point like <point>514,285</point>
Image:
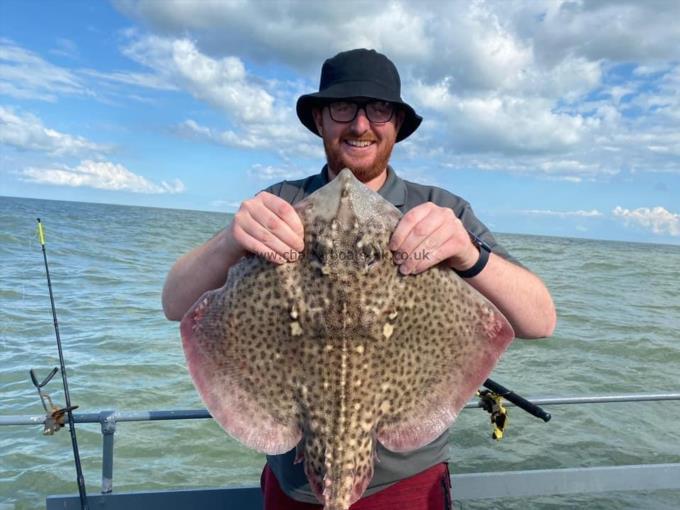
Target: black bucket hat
<point>358,73</point>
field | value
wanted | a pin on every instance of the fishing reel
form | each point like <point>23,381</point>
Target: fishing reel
<point>491,400</point>
<point>54,418</point>
<point>493,404</point>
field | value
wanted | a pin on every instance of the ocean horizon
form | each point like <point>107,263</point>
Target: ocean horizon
<point>231,213</point>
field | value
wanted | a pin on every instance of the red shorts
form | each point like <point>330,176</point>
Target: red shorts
<point>428,490</point>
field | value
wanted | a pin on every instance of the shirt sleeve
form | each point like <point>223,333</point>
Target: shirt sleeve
<point>476,227</point>
<point>274,189</point>
<point>462,209</point>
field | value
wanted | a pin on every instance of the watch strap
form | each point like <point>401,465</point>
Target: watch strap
<point>484,251</point>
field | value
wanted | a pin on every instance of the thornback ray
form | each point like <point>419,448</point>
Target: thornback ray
<point>337,350</point>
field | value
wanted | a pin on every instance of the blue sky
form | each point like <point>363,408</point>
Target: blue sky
<point>558,118</point>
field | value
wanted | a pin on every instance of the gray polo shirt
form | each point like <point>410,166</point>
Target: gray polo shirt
<point>391,466</point>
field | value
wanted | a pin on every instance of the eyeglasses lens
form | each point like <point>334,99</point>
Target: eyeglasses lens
<point>376,111</point>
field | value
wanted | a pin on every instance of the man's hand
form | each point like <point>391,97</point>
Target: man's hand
<point>265,224</point>
<point>428,234</point>
<point>269,226</point>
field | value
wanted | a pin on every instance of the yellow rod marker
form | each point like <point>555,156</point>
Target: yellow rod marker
<point>41,233</point>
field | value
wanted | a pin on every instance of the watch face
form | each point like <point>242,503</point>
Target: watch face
<point>480,244</point>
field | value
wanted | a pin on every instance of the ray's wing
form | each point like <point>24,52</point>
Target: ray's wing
<point>447,338</point>
<point>240,358</point>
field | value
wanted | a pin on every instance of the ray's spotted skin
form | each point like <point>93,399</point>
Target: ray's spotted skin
<point>338,350</point>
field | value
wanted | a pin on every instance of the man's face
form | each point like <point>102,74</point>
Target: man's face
<point>360,145</point>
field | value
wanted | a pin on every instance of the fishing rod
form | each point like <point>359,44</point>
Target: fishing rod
<point>69,408</point>
<point>518,400</point>
<point>491,400</point>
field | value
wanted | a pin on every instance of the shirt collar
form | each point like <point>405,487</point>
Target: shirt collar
<point>393,189</point>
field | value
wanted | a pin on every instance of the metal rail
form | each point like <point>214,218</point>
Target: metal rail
<point>193,414</point>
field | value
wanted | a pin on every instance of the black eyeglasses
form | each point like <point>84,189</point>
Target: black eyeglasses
<point>377,112</point>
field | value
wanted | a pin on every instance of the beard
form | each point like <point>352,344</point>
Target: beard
<point>364,173</point>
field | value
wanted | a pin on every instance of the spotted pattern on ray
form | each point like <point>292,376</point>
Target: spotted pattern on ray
<point>338,349</point>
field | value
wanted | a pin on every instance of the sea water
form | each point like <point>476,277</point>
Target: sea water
<point>618,332</point>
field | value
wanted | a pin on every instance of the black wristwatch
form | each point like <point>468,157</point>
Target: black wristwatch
<point>484,251</point>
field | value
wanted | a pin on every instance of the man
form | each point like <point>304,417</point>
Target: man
<point>359,114</point>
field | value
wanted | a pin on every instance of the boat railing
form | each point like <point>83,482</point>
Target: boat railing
<point>468,486</point>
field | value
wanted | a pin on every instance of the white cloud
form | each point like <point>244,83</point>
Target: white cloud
<point>221,82</point>
<point>657,219</point>
<point>593,213</point>
<point>147,80</point>
<point>26,75</point>
<point>567,178</point>
<point>27,132</point>
<point>575,168</point>
<point>66,48</point>
<point>271,173</point>
<point>191,129</point>
<point>100,175</point>
<point>277,137</point>
<point>502,123</point>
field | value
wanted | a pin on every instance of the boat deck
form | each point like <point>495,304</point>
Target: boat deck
<point>466,487</point>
